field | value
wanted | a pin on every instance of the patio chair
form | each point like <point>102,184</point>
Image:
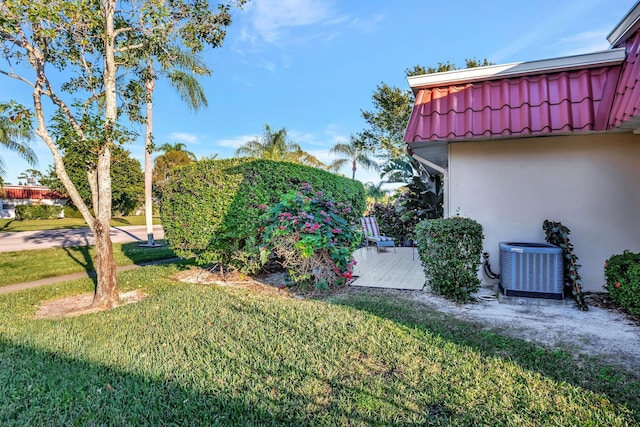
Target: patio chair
<point>372,234</point>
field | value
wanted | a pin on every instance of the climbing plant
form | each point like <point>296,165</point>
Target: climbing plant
<point>558,235</point>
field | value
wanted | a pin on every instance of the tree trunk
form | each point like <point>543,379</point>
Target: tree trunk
<point>148,145</point>
<point>106,294</point>
<point>353,175</point>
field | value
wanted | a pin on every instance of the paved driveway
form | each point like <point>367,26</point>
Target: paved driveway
<point>77,237</point>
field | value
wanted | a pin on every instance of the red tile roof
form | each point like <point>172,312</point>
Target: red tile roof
<point>33,193</point>
<point>626,105</point>
<point>549,103</point>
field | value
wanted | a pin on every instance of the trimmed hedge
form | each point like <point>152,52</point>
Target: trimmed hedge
<point>623,280</point>
<point>37,212</point>
<point>450,251</point>
<point>210,209</point>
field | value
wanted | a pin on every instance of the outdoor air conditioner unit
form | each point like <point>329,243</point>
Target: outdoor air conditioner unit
<point>531,270</point>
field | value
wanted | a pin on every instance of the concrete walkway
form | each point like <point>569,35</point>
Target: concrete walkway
<point>82,275</point>
<point>392,269</point>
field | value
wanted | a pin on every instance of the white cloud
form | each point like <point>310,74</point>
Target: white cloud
<point>185,137</point>
<point>271,18</point>
<point>367,24</point>
<point>585,42</point>
<point>545,34</point>
<point>235,142</point>
<point>303,138</point>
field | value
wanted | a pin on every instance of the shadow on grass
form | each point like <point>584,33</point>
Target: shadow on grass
<point>122,221</point>
<point>619,385</point>
<point>42,388</point>
<point>46,388</point>
<point>7,225</point>
<point>75,243</point>
<point>138,254</point>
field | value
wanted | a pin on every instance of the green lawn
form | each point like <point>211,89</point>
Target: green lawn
<point>7,225</point>
<point>27,266</point>
<point>227,355</point>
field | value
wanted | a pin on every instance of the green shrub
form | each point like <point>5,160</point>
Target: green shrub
<point>306,231</point>
<point>450,252</point>
<point>622,273</point>
<point>70,211</point>
<point>211,209</point>
<point>37,212</point>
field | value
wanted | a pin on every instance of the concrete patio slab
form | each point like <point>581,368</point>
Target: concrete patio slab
<point>399,269</point>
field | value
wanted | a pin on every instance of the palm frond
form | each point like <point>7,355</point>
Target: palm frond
<point>189,89</point>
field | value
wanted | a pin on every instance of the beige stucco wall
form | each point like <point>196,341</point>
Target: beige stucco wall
<point>590,183</point>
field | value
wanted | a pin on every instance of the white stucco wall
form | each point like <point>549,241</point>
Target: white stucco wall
<point>8,206</point>
<point>589,183</point>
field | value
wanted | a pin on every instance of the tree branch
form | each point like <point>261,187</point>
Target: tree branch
<point>17,77</point>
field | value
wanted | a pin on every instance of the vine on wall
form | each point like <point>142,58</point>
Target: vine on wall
<point>558,235</point>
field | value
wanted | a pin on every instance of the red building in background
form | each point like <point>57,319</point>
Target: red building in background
<point>15,195</point>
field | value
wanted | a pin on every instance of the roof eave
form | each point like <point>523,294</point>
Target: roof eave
<point>626,27</point>
<point>589,60</point>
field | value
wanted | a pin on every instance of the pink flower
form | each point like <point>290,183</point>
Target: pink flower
<point>618,284</point>
<point>283,227</point>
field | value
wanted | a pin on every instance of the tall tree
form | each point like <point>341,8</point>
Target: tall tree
<point>275,146</point>
<point>176,146</point>
<point>392,107</point>
<point>127,180</point>
<point>355,152</point>
<point>15,138</point>
<point>388,121</point>
<point>179,68</point>
<point>174,155</point>
<point>87,40</point>
<point>375,192</point>
<point>31,177</point>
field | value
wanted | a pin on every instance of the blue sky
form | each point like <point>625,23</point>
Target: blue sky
<point>311,66</point>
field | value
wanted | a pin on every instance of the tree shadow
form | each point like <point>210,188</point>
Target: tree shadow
<point>120,221</point>
<point>620,386</point>
<point>49,388</point>
<point>128,233</point>
<point>7,225</point>
<point>74,242</point>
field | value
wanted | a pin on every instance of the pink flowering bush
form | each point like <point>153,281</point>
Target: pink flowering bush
<point>307,233</point>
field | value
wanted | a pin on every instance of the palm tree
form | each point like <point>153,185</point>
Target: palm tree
<point>178,146</point>
<point>402,169</point>
<point>15,138</point>
<point>274,146</point>
<point>375,191</point>
<point>356,153</point>
<point>170,64</point>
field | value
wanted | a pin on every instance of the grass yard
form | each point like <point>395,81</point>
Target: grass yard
<point>7,225</point>
<point>26,266</point>
<point>230,355</point>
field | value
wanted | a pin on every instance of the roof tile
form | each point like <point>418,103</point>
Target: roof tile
<point>626,103</point>
<point>561,102</point>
